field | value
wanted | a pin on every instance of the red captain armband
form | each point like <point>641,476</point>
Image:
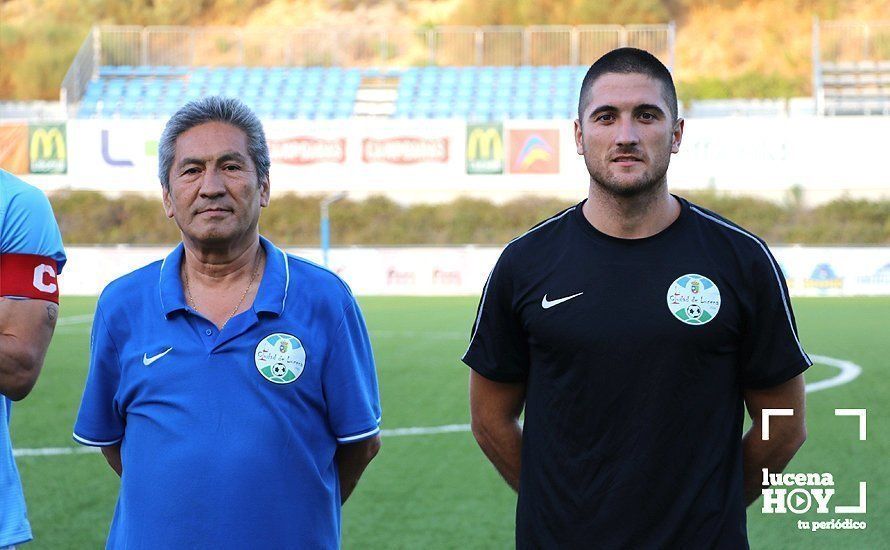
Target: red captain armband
<point>29,276</point>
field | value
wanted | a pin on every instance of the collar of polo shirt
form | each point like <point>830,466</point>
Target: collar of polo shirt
<point>270,297</point>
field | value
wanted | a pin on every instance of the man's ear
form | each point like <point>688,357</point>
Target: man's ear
<point>265,192</point>
<point>579,138</point>
<point>168,202</point>
<point>677,136</point>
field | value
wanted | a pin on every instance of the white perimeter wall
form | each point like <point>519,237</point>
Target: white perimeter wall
<point>456,271</point>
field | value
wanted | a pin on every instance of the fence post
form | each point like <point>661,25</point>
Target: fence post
<point>525,56</point>
<point>143,55</point>
<point>480,45</point>
<point>866,39</point>
<point>818,91</point>
<point>575,47</point>
<point>97,50</point>
<point>672,37</point>
<point>432,54</point>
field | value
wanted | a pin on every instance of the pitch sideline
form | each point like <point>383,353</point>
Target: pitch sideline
<point>849,371</point>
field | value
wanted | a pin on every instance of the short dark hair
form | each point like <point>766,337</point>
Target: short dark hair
<point>630,61</point>
<point>214,109</point>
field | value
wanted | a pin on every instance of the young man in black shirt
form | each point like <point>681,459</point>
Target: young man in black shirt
<point>631,328</point>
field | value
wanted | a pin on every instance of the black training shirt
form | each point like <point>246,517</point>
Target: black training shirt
<point>635,353</point>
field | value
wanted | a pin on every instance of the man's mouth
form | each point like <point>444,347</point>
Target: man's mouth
<point>626,158</point>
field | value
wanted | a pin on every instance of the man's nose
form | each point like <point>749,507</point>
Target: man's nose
<point>212,183</point>
<point>627,133</point>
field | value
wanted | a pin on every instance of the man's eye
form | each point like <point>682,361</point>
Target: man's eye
<point>231,167</point>
<point>647,116</point>
<point>605,118</point>
<point>190,171</point>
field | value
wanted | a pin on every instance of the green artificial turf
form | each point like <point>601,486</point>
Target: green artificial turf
<point>438,490</point>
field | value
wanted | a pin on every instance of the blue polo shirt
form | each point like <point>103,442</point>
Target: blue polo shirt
<point>228,437</point>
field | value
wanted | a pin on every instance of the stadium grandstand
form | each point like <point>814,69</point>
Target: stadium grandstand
<point>490,73</point>
<point>851,67</point>
<point>485,73</point>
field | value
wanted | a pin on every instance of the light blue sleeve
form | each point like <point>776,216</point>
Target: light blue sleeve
<point>350,381</point>
<point>99,421</point>
<point>27,223</point>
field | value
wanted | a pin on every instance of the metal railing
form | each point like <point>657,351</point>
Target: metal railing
<point>353,47</point>
<point>845,41</point>
<point>851,67</point>
<point>81,71</point>
<point>376,47</point>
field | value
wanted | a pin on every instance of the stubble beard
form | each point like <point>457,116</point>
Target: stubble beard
<point>645,184</point>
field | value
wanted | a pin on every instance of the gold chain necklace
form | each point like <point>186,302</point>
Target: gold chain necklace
<point>188,290</point>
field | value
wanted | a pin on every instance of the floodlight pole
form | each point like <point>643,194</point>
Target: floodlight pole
<point>326,224</point>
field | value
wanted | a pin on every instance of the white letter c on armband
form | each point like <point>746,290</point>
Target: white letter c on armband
<point>39,273</point>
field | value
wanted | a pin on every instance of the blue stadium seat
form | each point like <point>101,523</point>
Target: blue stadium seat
<point>475,93</point>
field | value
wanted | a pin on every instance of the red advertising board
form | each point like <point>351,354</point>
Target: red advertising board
<point>405,150</point>
<point>303,150</point>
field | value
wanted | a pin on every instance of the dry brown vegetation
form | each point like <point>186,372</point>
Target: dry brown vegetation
<point>724,48</point>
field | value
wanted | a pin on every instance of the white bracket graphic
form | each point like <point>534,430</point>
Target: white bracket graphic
<point>854,509</point>
<point>854,412</point>
<point>766,413</point>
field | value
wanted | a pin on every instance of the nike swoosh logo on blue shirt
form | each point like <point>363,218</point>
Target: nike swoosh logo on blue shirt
<point>547,304</point>
<point>146,360</point>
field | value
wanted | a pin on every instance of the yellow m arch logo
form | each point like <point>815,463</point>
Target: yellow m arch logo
<point>46,144</point>
<point>485,144</point>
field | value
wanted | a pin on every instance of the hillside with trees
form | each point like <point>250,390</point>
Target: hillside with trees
<point>753,48</point>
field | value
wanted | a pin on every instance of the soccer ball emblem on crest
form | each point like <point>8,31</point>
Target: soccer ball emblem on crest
<point>280,358</point>
<point>279,370</point>
<point>693,299</point>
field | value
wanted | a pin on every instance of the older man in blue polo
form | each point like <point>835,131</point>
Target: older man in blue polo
<point>231,385</point>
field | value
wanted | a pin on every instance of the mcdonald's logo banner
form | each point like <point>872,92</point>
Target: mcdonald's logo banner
<point>48,149</point>
<point>485,149</point>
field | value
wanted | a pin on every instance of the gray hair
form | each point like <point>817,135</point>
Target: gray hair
<point>214,109</point>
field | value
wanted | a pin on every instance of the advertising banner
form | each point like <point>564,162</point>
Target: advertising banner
<point>445,158</point>
<point>534,151</point>
<point>14,148</point>
<point>47,151</point>
<point>462,270</point>
<point>485,149</point>
<point>306,150</point>
<point>114,155</point>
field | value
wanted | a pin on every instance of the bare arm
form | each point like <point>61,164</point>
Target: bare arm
<point>495,408</point>
<point>352,459</point>
<point>26,327</point>
<point>786,433</point>
<point>113,456</point>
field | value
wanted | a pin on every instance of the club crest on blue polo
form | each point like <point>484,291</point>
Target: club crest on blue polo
<point>693,299</point>
<point>280,358</point>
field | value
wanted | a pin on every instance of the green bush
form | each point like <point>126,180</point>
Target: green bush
<point>747,85</point>
<point>87,217</point>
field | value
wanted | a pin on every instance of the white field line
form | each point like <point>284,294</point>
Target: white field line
<point>395,432</point>
<point>74,320</point>
<point>430,335</point>
<point>848,372</point>
<point>74,324</point>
